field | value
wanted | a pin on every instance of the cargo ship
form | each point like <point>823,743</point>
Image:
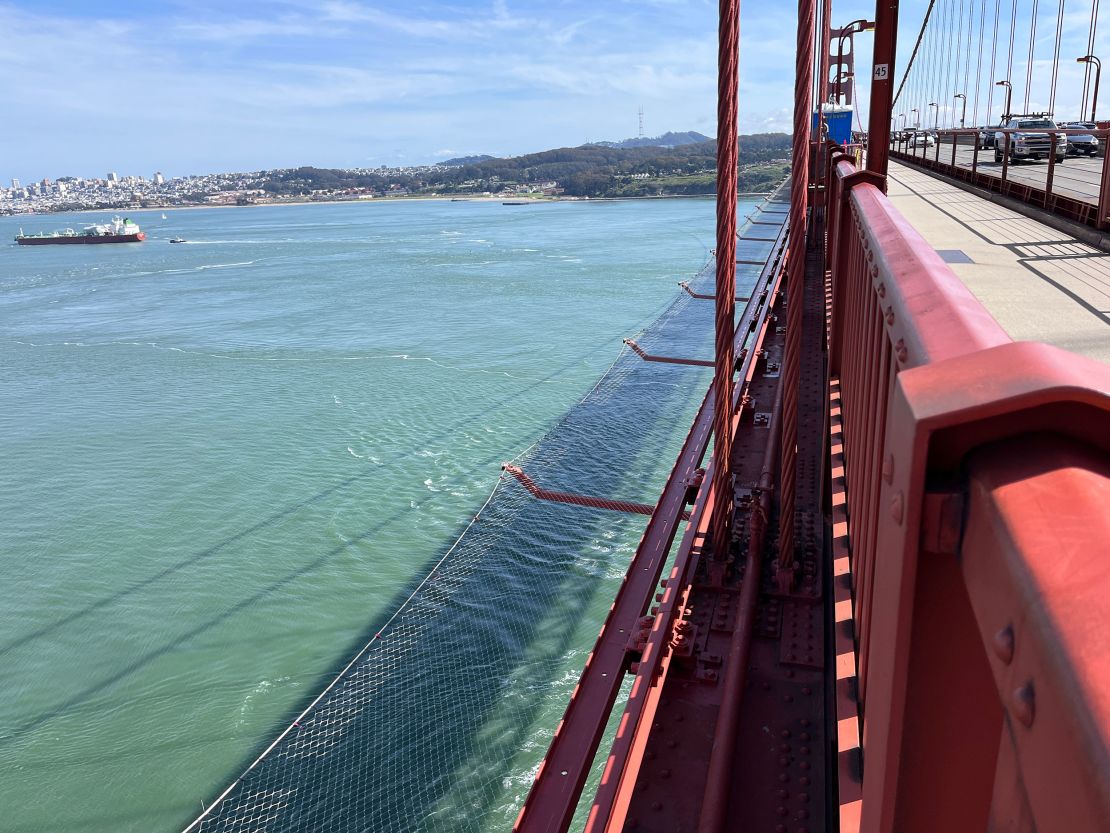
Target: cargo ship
<point>117,231</point>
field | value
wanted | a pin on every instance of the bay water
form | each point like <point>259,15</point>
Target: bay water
<point>222,460</point>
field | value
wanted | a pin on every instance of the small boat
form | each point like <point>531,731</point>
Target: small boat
<point>178,240</point>
<point>163,216</point>
<point>518,202</point>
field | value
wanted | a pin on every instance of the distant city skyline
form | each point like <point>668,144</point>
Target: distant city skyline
<point>191,87</point>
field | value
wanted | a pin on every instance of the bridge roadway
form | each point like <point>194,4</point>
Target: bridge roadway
<point>1078,177</point>
<point>1040,284</point>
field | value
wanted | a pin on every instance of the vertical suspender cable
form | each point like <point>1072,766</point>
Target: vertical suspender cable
<point>931,78</point>
<point>950,93</point>
<point>1029,60</point>
<point>791,377</point>
<point>994,54</point>
<point>967,54</point>
<point>979,65</point>
<point>1056,58</point>
<point>944,57</point>
<point>727,158</point>
<point>1010,54</point>
<point>916,46</point>
<point>1087,66</point>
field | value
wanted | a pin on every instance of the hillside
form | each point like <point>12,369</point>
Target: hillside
<point>592,170</point>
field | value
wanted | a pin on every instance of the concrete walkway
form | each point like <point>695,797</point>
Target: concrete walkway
<point>1040,284</point>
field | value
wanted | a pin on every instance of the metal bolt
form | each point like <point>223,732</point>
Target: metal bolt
<point>1004,644</point>
<point>888,468</point>
<point>1024,704</point>
<point>898,507</point>
<point>889,315</point>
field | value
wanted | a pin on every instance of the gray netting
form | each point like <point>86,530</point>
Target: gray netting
<point>439,723</point>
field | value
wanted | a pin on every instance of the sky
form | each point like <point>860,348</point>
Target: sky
<point>197,86</point>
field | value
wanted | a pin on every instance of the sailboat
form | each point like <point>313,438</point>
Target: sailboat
<point>163,216</point>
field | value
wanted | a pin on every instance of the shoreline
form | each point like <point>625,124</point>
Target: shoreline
<point>380,200</point>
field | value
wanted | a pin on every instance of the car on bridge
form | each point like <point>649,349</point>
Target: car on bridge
<point>1082,142</point>
<point>1032,142</point>
<point>986,136</point>
<point>922,139</point>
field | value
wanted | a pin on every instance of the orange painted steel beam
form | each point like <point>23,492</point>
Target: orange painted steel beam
<point>930,386</point>
<point>1039,596</point>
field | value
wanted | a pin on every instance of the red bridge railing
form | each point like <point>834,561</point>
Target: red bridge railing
<point>970,480</point>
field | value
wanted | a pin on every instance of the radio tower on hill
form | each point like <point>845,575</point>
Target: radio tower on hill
<point>641,121</point>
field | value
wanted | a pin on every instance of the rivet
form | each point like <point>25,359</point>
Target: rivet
<point>900,351</point>
<point>1004,644</point>
<point>1024,704</point>
<point>882,290</point>
<point>657,805</point>
<point>889,315</point>
<point>888,468</point>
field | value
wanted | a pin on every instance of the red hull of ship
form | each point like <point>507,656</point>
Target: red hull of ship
<point>106,238</point>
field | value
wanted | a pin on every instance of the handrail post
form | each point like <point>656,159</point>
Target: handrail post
<point>975,154</point>
<point>1051,166</point>
<point>954,137</point>
<point>1005,154</point>
<point>1104,185</point>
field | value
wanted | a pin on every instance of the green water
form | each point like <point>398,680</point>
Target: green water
<point>223,460</point>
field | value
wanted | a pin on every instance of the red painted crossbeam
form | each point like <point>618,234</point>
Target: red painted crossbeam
<point>580,500</point>
<point>648,357</point>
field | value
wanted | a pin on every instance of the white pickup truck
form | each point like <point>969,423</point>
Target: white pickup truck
<point>1032,142</point>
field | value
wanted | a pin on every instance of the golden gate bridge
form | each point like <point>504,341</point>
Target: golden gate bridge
<point>882,602</point>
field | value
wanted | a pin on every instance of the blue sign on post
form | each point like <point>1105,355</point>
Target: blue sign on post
<point>838,124</point>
